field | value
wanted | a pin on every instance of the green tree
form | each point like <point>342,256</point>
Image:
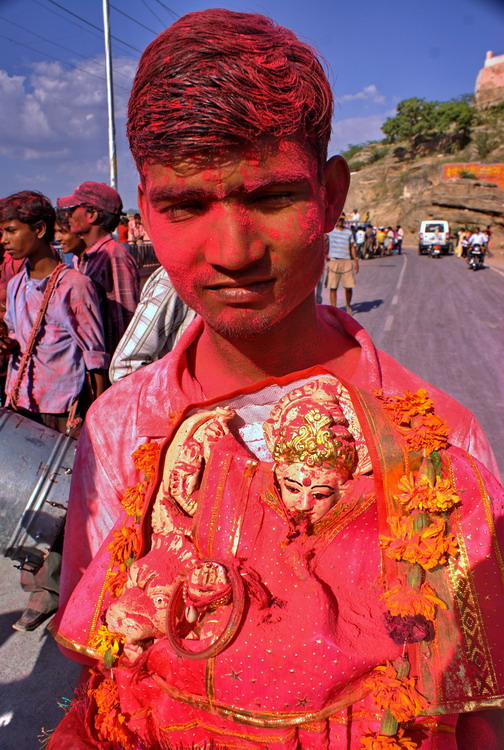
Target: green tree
<point>414,117</point>
<point>419,119</point>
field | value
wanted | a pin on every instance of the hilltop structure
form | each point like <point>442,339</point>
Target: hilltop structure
<point>490,81</point>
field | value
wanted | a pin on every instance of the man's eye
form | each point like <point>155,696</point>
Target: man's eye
<point>180,211</point>
<point>275,200</point>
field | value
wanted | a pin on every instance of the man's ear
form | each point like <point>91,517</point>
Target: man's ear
<point>92,213</point>
<point>40,229</point>
<point>337,182</point>
<point>142,205</point>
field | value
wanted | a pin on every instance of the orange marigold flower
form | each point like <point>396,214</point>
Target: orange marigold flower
<point>109,722</point>
<point>427,433</point>
<point>430,547</point>
<point>116,583</point>
<point>103,640</point>
<point>421,494</point>
<point>408,601</point>
<point>146,457</point>
<point>403,409</point>
<point>374,741</point>
<point>398,695</point>
<point>125,546</point>
<point>133,499</point>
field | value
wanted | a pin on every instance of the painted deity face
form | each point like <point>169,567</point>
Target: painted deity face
<point>310,490</point>
<point>69,241</point>
<point>241,239</point>
<point>20,240</point>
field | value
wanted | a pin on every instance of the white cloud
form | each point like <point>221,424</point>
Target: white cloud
<point>56,119</point>
<point>369,93</point>
<point>356,130</point>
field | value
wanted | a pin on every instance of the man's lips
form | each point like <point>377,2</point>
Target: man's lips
<point>241,291</point>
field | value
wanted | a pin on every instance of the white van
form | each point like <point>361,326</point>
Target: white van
<point>426,236</point>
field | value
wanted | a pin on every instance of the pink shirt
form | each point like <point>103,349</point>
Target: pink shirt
<point>69,343</point>
<point>115,276</point>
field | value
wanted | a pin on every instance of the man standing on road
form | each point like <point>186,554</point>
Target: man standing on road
<point>260,527</point>
<point>94,210</point>
<point>343,263</point>
<point>399,238</point>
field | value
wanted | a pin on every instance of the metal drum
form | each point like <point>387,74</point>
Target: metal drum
<point>35,472</point>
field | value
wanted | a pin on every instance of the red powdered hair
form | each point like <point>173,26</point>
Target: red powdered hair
<point>218,79</point>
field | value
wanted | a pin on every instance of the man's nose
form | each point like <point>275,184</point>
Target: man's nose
<point>234,242</point>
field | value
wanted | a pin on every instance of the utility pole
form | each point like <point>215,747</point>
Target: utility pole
<point>110,97</point>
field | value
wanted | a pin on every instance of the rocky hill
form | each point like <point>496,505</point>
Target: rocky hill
<point>397,186</point>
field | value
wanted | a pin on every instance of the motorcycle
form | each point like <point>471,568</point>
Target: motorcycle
<point>475,255</point>
<point>435,251</point>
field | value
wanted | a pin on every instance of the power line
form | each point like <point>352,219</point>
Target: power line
<point>61,46</point>
<point>118,10</point>
<point>64,62</point>
<point>154,14</point>
<point>88,23</point>
<point>168,9</point>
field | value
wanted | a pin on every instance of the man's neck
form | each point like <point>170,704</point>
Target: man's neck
<point>95,234</point>
<point>303,340</point>
<point>41,263</point>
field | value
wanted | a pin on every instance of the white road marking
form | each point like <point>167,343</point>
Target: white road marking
<point>388,323</point>
<point>403,269</point>
<point>395,299</point>
<point>496,270</point>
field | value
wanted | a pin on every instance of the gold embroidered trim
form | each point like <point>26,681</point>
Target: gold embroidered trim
<point>73,645</point>
<point>465,598</point>
<point>488,515</point>
<point>264,719</point>
<point>210,679</point>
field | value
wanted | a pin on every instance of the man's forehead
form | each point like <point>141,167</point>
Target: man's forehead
<point>252,168</point>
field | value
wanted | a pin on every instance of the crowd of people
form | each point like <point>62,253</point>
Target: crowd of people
<point>276,534</point>
<point>468,238</point>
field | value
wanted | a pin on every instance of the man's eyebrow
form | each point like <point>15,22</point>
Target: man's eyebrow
<point>162,194</point>
<point>176,192</point>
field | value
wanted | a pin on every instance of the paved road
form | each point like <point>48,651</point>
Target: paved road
<point>445,323</point>
<point>434,316</point>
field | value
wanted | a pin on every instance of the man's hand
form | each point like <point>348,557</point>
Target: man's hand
<point>7,344</point>
<point>356,266</point>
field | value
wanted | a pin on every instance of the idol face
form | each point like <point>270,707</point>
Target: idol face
<point>242,236</point>
<point>308,490</point>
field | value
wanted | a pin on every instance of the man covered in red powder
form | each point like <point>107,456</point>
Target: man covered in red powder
<point>277,535</point>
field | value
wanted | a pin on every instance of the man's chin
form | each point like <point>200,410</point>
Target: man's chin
<point>245,325</point>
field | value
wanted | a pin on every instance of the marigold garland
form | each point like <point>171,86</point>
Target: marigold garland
<point>429,547</point>
<point>403,408</point>
<point>407,601</point>
<point>421,494</point>
<point>134,498</point>
<point>427,433</point>
<point>422,538</point>
<point>375,741</point>
<point>145,458</point>
<point>103,640</point>
<point>397,694</point>
<point>109,722</point>
<point>125,545</point>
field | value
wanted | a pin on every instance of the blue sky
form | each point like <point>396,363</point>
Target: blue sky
<point>53,112</point>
